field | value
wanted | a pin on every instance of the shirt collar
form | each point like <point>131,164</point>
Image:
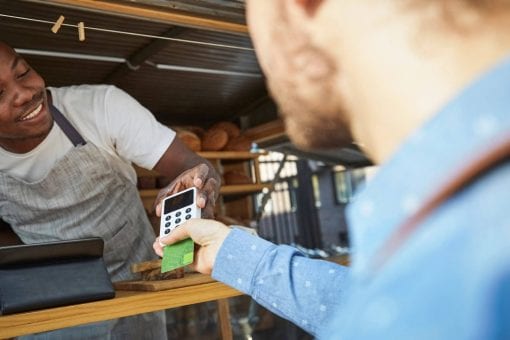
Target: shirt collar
<point>463,128</point>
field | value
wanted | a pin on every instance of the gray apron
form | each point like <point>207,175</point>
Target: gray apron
<point>85,195</point>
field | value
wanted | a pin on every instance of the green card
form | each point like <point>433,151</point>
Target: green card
<point>177,255</point>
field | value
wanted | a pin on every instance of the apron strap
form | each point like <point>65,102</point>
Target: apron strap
<point>69,130</point>
<point>467,175</point>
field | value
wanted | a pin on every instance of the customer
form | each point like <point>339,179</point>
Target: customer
<point>424,88</point>
<point>74,179</point>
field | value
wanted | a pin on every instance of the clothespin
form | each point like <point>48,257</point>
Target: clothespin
<point>81,31</point>
<point>57,24</point>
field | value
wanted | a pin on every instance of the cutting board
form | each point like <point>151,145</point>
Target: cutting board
<point>189,279</point>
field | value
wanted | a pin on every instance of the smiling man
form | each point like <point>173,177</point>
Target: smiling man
<point>26,126</point>
<point>65,173</point>
<point>423,86</point>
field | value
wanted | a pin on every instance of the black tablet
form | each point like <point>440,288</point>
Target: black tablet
<point>43,252</point>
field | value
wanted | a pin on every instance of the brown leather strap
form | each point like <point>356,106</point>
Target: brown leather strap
<point>466,176</point>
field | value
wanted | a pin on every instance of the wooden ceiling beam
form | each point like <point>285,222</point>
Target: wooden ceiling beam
<point>268,131</point>
<point>151,13</point>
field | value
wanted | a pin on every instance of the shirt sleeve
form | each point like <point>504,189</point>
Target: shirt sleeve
<point>302,290</point>
<point>136,135</point>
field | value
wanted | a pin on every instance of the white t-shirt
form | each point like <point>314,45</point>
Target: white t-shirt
<point>105,116</point>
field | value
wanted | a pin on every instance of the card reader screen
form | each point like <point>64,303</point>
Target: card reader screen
<point>178,202</point>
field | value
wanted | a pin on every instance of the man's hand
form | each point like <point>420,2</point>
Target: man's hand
<point>207,234</point>
<point>199,177</point>
<point>188,169</point>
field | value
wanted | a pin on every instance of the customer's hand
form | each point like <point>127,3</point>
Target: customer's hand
<point>208,235</point>
<point>200,177</point>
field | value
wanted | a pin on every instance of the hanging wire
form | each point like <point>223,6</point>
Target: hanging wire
<point>133,33</point>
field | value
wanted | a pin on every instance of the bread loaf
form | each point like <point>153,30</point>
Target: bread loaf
<point>239,143</point>
<point>230,128</point>
<point>214,140</point>
<point>190,139</point>
<point>197,130</point>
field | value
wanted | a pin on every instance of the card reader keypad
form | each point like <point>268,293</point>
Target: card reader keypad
<point>174,219</point>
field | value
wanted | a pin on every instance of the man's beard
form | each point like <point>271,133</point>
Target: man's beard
<point>314,114</point>
<point>309,131</point>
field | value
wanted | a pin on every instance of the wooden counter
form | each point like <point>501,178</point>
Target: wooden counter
<point>125,303</point>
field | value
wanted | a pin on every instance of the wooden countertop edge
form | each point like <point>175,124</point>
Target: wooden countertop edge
<point>125,303</point>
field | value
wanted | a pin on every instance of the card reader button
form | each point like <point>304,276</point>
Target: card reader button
<point>178,221</point>
<point>168,218</point>
<point>188,210</point>
<point>177,214</point>
<point>167,224</point>
<point>188,217</point>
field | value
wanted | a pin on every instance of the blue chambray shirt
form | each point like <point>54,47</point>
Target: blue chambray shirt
<point>449,280</point>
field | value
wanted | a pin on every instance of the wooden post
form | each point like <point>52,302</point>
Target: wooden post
<point>224,319</point>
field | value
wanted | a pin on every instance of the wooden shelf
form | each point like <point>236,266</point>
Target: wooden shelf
<point>240,155</point>
<point>344,260</point>
<point>125,303</point>
<point>243,188</point>
<point>224,190</point>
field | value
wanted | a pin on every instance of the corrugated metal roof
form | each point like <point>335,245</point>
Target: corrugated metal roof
<point>191,92</point>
